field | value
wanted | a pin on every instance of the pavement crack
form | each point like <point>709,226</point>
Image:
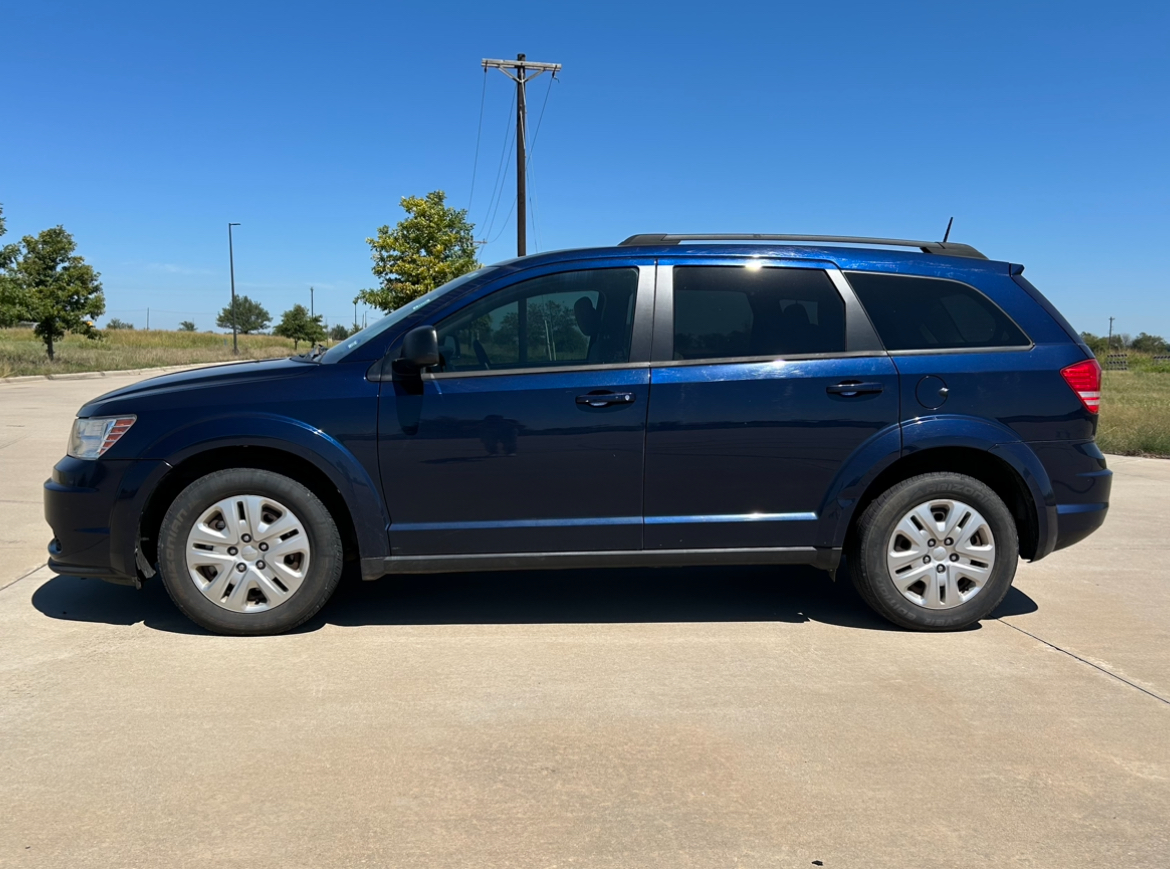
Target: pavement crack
<point>22,576</point>
<point>1083,661</point>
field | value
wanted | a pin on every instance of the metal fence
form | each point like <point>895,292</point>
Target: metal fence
<point>1117,362</point>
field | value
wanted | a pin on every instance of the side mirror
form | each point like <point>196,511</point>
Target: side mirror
<point>420,347</point>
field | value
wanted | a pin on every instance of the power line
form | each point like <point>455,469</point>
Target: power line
<point>540,117</point>
<point>500,198</point>
<point>531,156</point>
<point>504,225</point>
<point>478,134</point>
<point>521,71</point>
<point>505,150</point>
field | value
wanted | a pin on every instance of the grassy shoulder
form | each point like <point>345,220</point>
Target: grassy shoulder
<point>1135,410</point>
<point>21,352</point>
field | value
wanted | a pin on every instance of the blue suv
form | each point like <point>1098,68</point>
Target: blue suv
<point>912,407</point>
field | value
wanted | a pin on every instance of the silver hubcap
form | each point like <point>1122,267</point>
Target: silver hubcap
<point>941,554</point>
<point>248,553</point>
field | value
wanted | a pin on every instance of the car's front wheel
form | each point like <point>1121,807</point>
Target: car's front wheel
<point>245,551</point>
<point>937,552</point>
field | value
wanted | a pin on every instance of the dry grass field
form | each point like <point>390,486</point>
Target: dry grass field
<point>21,352</point>
<point>1135,409</point>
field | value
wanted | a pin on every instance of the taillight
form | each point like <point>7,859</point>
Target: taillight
<point>1085,380</point>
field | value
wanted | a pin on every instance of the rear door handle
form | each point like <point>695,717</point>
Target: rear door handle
<point>604,399</point>
<point>850,388</point>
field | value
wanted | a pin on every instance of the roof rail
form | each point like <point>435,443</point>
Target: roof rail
<point>947,248</point>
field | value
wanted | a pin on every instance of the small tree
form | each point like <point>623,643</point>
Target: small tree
<point>46,282</point>
<point>1096,343</point>
<point>339,332</point>
<point>250,316</point>
<point>431,246</point>
<point>186,326</point>
<point>1144,343</point>
<point>115,323</point>
<point>296,323</point>
<point>9,298</point>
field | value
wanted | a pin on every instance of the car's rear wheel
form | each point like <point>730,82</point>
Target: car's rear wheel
<point>245,551</point>
<point>937,552</point>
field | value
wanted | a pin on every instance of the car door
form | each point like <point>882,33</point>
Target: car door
<point>766,378</point>
<point>529,434</point>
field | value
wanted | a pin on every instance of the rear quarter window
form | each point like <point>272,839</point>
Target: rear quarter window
<point>912,313</point>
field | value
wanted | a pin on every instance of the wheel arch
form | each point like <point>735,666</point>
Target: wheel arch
<point>987,466</point>
<point>261,457</point>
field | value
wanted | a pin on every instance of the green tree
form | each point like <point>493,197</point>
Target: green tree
<point>250,316</point>
<point>10,309</point>
<point>46,282</point>
<point>115,323</point>
<point>431,246</point>
<point>1096,343</point>
<point>339,332</point>
<point>186,326</point>
<point>296,323</point>
<point>1144,343</point>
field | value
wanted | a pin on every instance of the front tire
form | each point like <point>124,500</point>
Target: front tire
<point>937,552</point>
<point>249,552</point>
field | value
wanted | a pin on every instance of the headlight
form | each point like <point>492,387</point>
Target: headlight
<point>92,437</point>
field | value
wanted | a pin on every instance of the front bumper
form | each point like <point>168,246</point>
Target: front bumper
<point>93,508</point>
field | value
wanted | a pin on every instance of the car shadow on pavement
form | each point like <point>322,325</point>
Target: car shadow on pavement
<point>692,594</point>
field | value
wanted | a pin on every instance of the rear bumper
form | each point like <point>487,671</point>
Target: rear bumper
<point>1081,483</point>
<point>1075,522</point>
<point>93,508</point>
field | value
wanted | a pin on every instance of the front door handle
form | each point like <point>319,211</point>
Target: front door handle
<point>604,399</point>
<point>850,388</point>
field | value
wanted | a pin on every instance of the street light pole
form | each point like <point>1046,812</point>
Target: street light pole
<point>232,266</point>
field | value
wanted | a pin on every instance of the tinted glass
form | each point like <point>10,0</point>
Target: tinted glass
<point>570,318</point>
<point>723,312</point>
<point>344,348</point>
<point>933,314</point>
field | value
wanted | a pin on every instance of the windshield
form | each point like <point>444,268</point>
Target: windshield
<point>344,348</point>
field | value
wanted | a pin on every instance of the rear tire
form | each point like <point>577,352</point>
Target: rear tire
<point>249,552</point>
<point>936,552</point>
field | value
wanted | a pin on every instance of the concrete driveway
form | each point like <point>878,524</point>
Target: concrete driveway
<point>710,717</point>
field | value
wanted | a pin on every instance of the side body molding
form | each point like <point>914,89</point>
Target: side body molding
<point>331,457</point>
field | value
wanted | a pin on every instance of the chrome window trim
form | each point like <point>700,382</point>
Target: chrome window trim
<point>748,360</point>
<point>950,351</point>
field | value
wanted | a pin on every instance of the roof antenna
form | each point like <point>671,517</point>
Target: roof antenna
<point>947,234</point>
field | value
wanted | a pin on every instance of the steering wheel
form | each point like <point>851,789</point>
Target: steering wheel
<point>481,354</point>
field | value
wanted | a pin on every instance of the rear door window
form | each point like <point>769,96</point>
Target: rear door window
<point>912,313</point>
<point>728,312</point>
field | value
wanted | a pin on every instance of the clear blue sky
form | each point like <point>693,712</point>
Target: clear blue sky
<point>145,127</point>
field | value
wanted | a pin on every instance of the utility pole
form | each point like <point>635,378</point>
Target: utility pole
<point>521,71</point>
<point>355,325</point>
<point>1109,342</point>
<point>232,266</point>
<point>311,309</point>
